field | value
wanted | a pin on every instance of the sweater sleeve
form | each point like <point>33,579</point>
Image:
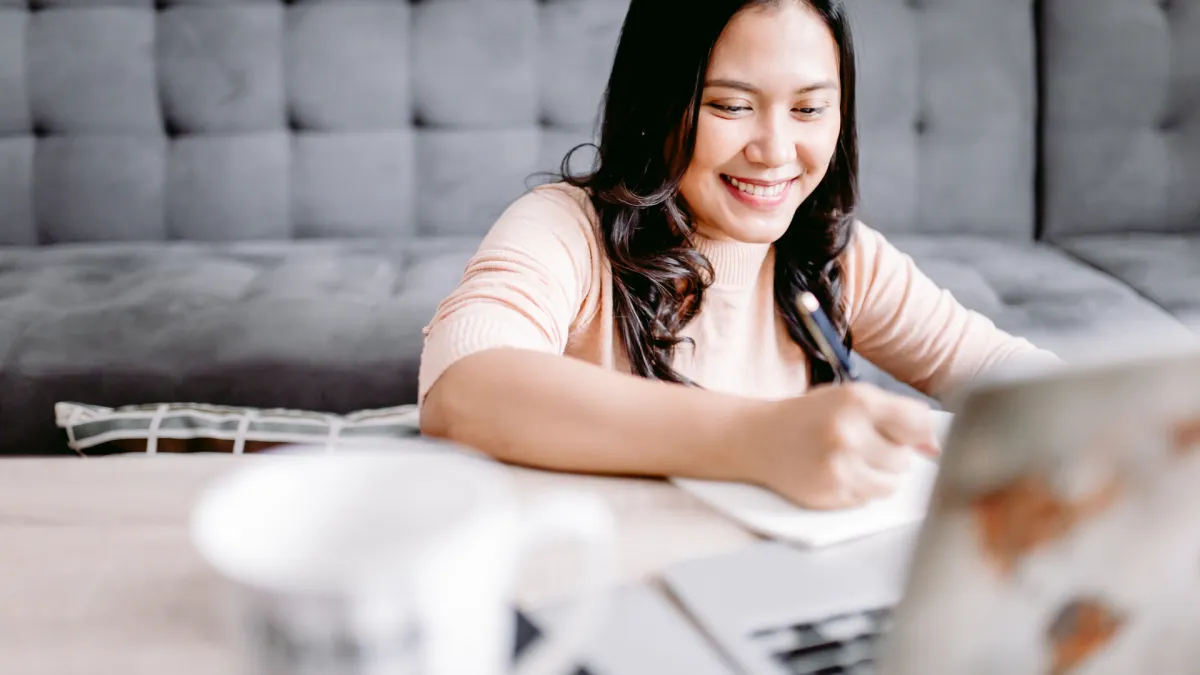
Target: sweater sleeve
<point>918,332</point>
<point>525,287</point>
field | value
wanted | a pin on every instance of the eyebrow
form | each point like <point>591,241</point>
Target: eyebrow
<point>749,88</point>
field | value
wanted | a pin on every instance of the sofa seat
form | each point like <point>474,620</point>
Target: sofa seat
<point>1165,268</point>
<point>335,325</point>
<point>326,325</point>
<point>1039,292</point>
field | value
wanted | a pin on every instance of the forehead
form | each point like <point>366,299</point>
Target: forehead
<point>786,44</point>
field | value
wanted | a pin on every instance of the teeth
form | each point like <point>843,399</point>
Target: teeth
<point>757,190</point>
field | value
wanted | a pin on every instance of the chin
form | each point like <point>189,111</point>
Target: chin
<point>759,224</point>
<point>756,231</point>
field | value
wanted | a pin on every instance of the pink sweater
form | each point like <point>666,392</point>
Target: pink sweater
<point>540,281</point>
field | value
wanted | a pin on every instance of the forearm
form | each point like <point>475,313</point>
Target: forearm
<point>557,413</point>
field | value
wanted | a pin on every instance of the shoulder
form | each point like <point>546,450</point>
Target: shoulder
<point>553,207</point>
<point>865,243</point>
<point>861,251</point>
<point>549,220</point>
<point>551,230</point>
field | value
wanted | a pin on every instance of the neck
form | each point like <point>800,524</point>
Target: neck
<point>735,263</point>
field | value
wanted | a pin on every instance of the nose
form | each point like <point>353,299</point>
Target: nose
<point>774,142</point>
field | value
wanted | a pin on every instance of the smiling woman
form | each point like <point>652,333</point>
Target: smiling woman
<point>726,186</point>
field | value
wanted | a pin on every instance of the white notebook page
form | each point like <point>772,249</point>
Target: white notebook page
<point>770,515</point>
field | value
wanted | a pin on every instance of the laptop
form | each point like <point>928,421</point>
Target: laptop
<point>1062,536</point>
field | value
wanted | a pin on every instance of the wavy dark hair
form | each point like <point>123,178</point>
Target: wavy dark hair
<point>647,138</point>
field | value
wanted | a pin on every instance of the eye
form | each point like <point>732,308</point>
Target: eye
<point>731,109</point>
<point>811,112</point>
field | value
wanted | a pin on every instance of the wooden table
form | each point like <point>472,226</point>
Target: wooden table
<point>97,574</point>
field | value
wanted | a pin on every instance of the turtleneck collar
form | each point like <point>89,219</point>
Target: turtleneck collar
<point>734,263</point>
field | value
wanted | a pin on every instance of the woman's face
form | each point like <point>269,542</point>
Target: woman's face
<point>768,125</point>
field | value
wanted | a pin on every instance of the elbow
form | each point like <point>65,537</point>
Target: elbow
<point>450,407</point>
<point>440,386</point>
<point>446,417</point>
<point>434,418</point>
<point>471,404</point>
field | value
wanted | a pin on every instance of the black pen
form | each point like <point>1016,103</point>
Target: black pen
<point>820,328</point>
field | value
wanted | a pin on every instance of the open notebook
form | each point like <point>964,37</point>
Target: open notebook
<point>772,516</point>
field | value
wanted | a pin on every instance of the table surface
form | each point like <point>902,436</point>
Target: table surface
<point>97,574</point>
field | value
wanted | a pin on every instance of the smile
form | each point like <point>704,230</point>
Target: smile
<point>757,194</point>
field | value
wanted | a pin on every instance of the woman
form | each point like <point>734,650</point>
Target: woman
<point>725,186</point>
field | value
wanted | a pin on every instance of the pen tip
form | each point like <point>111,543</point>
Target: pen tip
<point>809,301</point>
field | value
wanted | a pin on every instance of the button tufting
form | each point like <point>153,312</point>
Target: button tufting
<point>172,128</point>
<point>295,124</point>
<point>921,125</point>
<point>1015,298</point>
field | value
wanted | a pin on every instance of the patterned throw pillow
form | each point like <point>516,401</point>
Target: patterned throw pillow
<point>199,427</point>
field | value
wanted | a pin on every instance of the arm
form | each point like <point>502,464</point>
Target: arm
<point>494,377</point>
<point>918,332</point>
<point>557,413</point>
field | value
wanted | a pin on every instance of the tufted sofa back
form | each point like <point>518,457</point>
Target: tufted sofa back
<point>1122,116</point>
<point>144,120</point>
<point>137,120</point>
<point>947,115</point>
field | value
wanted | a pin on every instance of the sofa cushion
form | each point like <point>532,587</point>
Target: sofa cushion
<point>1038,292</point>
<point>1035,290</point>
<point>1165,268</point>
<point>332,326</point>
<point>1121,124</point>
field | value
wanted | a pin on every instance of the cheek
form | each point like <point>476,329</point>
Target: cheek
<point>717,143</point>
<point>818,150</point>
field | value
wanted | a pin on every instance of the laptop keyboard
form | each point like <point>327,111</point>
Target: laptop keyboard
<point>842,644</point>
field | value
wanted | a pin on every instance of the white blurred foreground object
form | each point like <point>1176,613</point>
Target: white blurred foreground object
<point>770,515</point>
<point>396,559</point>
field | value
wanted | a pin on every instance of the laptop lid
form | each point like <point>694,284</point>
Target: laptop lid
<point>1063,533</point>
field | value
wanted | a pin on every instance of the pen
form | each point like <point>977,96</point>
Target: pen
<point>820,328</point>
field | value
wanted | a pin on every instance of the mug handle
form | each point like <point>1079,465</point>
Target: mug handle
<point>587,520</point>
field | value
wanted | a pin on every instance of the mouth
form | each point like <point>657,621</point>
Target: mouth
<point>758,194</point>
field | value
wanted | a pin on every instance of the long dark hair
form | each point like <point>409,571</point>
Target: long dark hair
<point>651,103</point>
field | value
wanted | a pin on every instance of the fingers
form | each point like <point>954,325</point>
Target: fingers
<point>862,482</point>
<point>851,482</point>
<point>884,455</point>
<point>864,443</point>
<point>903,421</point>
<point>932,451</point>
<point>874,469</point>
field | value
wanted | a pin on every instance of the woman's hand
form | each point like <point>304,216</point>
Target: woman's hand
<point>838,446</point>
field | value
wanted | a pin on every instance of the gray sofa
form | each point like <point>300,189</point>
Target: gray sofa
<point>259,202</point>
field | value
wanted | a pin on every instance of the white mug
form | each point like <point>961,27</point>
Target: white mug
<point>392,560</point>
